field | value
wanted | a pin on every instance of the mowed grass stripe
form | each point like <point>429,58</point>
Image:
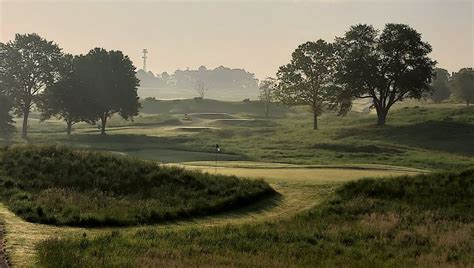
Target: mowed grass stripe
<point>22,236</point>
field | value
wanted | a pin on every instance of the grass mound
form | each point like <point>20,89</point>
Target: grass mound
<point>183,106</point>
<point>245,123</point>
<point>60,185</point>
<point>229,122</point>
<point>260,123</point>
<point>426,221</point>
<point>211,115</point>
<point>444,195</point>
<point>166,122</point>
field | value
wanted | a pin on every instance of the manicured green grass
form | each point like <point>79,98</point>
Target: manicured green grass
<point>426,220</point>
<point>254,108</point>
<point>426,136</point>
<point>429,142</point>
<point>60,185</point>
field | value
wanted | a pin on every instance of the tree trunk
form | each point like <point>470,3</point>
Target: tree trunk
<point>382,116</point>
<point>266,110</point>
<point>103,121</point>
<point>69,128</point>
<point>24,130</point>
<point>315,121</point>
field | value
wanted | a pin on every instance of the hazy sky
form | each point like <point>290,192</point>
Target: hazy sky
<point>256,35</point>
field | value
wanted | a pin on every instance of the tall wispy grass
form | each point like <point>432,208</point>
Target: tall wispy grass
<point>60,185</point>
<point>425,220</point>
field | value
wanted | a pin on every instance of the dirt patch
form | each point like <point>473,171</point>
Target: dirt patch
<point>3,259</point>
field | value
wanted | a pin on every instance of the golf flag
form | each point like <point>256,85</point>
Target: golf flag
<point>217,148</point>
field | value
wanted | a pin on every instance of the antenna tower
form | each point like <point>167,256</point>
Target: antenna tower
<point>145,51</point>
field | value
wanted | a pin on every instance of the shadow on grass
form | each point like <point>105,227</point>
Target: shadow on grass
<point>162,149</point>
<point>452,137</point>
<point>127,139</point>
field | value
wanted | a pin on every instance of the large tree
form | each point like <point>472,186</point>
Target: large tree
<point>308,78</point>
<point>386,67</point>
<point>110,75</point>
<point>267,89</point>
<point>69,98</point>
<point>440,86</point>
<point>29,64</point>
<point>463,85</point>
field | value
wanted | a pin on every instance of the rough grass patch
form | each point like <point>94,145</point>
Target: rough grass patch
<point>60,185</point>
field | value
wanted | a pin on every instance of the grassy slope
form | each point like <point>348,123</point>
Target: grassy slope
<point>58,185</point>
<point>429,137</point>
<point>208,106</point>
<point>293,198</point>
<point>425,220</point>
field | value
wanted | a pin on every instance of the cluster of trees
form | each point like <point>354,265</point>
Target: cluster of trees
<point>385,66</point>
<point>459,86</point>
<point>220,77</point>
<point>88,88</point>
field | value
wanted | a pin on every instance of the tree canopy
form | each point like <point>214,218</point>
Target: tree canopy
<point>29,64</point>
<point>463,85</point>
<point>110,76</point>
<point>440,86</point>
<point>386,67</point>
<point>69,98</point>
<point>308,79</point>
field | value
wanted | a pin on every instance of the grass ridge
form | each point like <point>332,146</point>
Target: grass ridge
<point>59,185</point>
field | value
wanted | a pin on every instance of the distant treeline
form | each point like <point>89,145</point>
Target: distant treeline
<point>458,85</point>
<point>218,78</point>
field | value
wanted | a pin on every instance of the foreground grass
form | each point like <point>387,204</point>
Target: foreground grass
<point>425,220</point>
<point>297,192</point>
<point>22,237</point>
<point>59,185</point>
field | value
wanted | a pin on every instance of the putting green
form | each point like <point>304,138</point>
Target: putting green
<point>311,174</point>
